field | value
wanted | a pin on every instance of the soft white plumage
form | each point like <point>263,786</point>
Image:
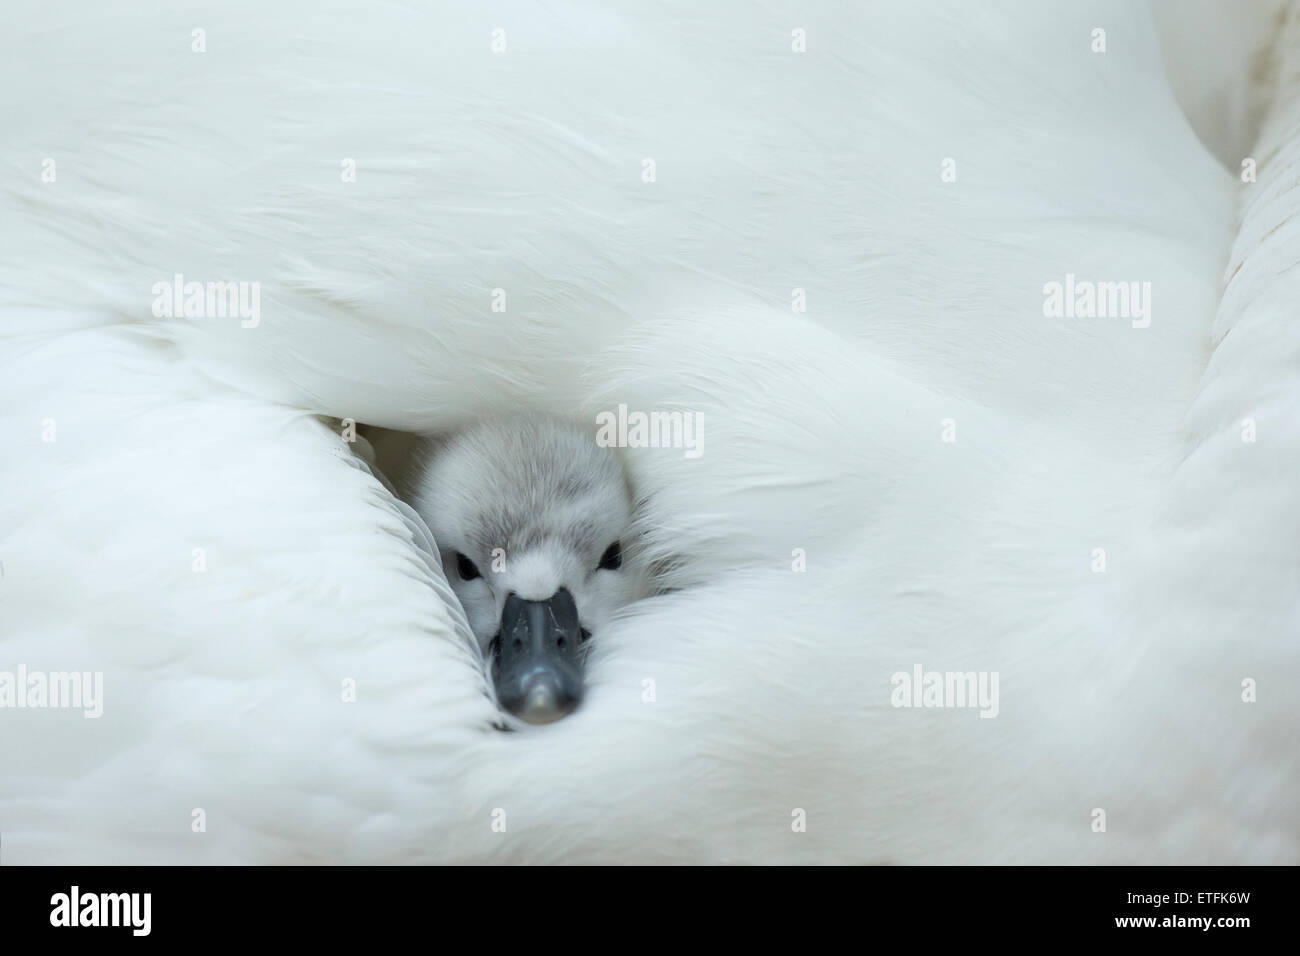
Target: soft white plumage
<point>522,171</point>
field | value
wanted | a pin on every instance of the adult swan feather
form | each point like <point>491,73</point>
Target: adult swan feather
<point>827,233</point>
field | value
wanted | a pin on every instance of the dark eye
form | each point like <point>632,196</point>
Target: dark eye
<point>612,559</point>
<point>466,568</point>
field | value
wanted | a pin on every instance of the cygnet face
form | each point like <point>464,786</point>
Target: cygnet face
<point>533,522</point>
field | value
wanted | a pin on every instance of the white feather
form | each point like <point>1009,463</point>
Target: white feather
<point>522,171</point>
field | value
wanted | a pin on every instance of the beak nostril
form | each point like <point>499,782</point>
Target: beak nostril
<point>537,678</point>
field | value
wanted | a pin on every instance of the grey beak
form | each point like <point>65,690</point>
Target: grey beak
<point>537,664</point>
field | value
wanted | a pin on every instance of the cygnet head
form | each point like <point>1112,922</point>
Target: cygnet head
<point>533,522</point>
